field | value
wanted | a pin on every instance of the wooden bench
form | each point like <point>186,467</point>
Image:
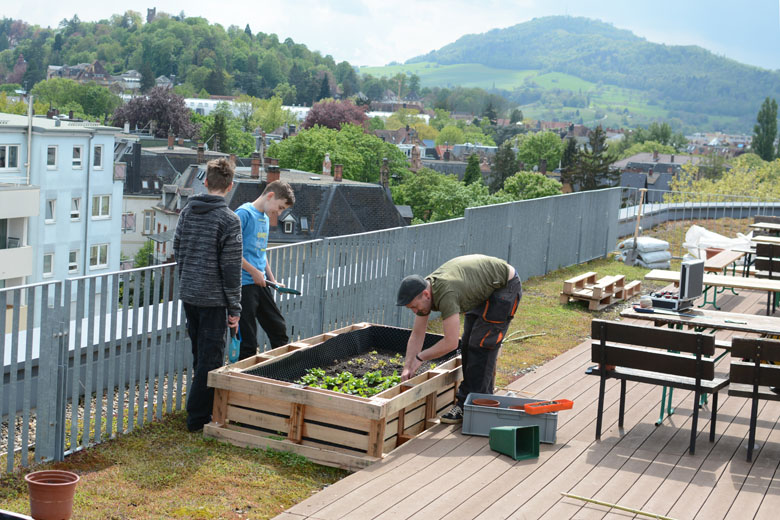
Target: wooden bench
<point>635,353</point>
<point>754,377</point>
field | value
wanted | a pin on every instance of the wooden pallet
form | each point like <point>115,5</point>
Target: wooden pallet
<point>328,427</point>
<point>579,282</point>
<point>599,293</point>
<point>630,290</point>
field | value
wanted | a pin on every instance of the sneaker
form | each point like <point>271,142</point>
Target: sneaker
<point>454,416</point>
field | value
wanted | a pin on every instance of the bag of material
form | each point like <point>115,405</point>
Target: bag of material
<point>644,245</point>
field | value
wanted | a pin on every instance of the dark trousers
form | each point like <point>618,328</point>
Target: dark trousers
<point>207,328</point>
<point>484,329</point>
<point>257,305</point>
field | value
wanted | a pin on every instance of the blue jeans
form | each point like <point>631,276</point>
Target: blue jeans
<point>207,328</point>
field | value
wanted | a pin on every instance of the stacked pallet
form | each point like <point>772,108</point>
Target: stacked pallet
<point>599,292</point>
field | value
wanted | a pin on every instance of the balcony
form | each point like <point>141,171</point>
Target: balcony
<point>16,262</point>
<point>19,201</point>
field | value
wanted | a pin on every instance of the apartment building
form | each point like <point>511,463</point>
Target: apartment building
<point>60,199</point>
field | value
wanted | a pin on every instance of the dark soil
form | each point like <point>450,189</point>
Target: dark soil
<point>387,361</point>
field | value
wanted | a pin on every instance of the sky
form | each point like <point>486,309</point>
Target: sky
<point>377,32</point>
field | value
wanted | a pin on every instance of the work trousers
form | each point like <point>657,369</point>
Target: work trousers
<point>483,331</point>
<point>207,328</point>
<point>257,305</point>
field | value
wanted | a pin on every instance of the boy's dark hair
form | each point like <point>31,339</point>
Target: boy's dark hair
<point>219,174</point>
<point>281,190</point>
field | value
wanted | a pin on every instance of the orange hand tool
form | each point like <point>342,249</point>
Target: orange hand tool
<point>548,406</point>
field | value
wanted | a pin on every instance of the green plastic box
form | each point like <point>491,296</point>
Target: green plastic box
<point>519,442</point>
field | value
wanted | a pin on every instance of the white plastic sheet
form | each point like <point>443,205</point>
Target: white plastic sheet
<point>698,239</point>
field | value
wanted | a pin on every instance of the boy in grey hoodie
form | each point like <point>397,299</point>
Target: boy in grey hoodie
<point>208,250</point>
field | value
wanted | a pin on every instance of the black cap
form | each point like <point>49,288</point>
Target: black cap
<point>410,287</point>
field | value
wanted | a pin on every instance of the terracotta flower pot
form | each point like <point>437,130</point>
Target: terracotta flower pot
<point>51,494</point>
<point>485,402</point>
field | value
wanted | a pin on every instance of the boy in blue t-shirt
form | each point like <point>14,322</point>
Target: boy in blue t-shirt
<point>257,300</point>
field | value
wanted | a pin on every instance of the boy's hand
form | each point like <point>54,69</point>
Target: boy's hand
<point>258,277</point>
<point>233,322</point>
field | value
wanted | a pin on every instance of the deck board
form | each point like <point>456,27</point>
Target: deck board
<point>444,474</point>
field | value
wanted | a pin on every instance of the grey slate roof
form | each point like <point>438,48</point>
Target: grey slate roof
<point>330,208</point>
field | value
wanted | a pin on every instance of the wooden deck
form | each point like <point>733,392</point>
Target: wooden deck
<point>444,474</point>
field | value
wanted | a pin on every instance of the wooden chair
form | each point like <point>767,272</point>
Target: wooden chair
<point>767,265</point>
<point>770,219</point>
<point>663,357</point>
<point>752,374</point>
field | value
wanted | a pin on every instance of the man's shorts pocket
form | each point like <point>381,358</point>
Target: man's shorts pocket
<point>487,335</point>
<point>501,306</point>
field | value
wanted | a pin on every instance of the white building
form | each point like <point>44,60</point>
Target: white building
<point>60,198</point>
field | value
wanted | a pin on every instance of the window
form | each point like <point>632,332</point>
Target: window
<point>148,221</point>
<point>145,184</point>
<point>128,222</point>
<point>51,211</point>
<point>288,227</point>
<point>48,264</point>
<point>9,156</point>
<point>101,206</point>
<point>73,261</point>
<point>97,158</point>
<point>77,157</point>
<point>75,209</point>
<point>98,256</point>
<point>51,157</point>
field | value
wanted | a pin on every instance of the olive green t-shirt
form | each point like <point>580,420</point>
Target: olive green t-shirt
<point>466,281</point>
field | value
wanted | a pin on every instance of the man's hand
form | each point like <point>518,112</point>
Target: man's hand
<point>410,369</point>
<point>233,322</point>
<point>258,277</point>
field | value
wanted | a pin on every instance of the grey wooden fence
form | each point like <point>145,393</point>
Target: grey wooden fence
<point>88,358</point>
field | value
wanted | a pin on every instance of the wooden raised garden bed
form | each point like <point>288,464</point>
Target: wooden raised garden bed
<point>258,403</point>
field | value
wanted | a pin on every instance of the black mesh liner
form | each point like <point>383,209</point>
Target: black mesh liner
<point>344,346</point>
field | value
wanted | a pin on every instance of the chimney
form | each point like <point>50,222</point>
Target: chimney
<point>184,197</point>
<point>655,155</point>
<point>136,169</point>
<point>543,166</point>
<point>337,171</point>
<point>181,141</point>
<point>671,159</point>
<point>273,174</point>
<point>169,194</point>
<point>170,141</point>
<point>201,153</point>
<point>233,158</point>
<point>70,114</point>
<point>126,127</point>
<point>255,172</point>
<point>384,174</point>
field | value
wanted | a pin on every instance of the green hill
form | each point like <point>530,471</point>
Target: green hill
<point>612,68</point>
